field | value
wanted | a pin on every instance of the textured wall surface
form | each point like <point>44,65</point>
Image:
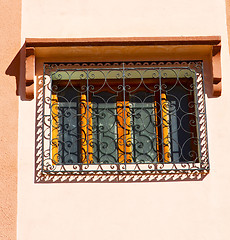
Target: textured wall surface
<point>161,210</point>
<point>228,19</point>
<point>10,39</point>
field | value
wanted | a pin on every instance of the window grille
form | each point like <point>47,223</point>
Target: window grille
<point>124,117</point>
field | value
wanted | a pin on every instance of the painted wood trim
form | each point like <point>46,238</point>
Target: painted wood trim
<point>124,132</point>
<point>125,41</point>
<point>30,72</point>
<point>216,70</point>
<point>86,130</point>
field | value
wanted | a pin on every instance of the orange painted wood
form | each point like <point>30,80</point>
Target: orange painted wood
<point>124,132</point>
<point>125,41</point>
<point>86,131</point>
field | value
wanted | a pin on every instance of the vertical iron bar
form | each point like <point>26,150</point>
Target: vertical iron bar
<point>123,75</point>
<point>43,115</point>
<point>51,117</point>
<point>87,117</point>
<point>161,112</point>
<point>175,150</point>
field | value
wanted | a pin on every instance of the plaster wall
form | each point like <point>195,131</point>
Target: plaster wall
<point>160,210</point>
<point>10,38</point>
<point>228,19</point>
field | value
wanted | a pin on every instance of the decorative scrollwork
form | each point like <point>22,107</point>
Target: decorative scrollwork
<point>123,117</point>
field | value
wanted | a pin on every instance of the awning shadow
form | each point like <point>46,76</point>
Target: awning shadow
<point>17,70</point>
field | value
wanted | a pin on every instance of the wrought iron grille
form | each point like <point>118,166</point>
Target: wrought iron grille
<point>124,117</point>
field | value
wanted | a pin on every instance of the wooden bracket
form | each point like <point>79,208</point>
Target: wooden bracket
<point>30,72</point>
<point>216,68</point>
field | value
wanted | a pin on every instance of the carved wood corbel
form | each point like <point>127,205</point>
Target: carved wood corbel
<point>30,72</point>
<point>216,67</point>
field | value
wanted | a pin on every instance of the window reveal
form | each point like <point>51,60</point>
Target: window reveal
<point>124,116</point>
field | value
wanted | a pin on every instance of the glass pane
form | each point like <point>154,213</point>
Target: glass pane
<point>68,130</point>
<point>143,125</point>
<point>104,128</point>
<point>182,122</point>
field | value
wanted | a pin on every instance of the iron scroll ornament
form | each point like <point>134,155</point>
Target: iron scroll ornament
<point>123,118</point>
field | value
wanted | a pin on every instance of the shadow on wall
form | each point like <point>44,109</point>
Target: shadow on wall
<point>117,178</point>
<point>17,69</point>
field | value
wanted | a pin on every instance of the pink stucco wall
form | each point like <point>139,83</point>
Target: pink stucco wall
<point>10,38</point>
<point>156,210</point>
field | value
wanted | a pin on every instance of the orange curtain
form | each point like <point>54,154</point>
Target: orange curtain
<point>86,131</point>
<point>124,132</point>
<point>165,128</point>
<point>54,122</point>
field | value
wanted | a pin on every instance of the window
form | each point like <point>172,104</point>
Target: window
<point>124,117</point>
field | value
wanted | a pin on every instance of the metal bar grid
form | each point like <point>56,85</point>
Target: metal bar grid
<point>142,85</point>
